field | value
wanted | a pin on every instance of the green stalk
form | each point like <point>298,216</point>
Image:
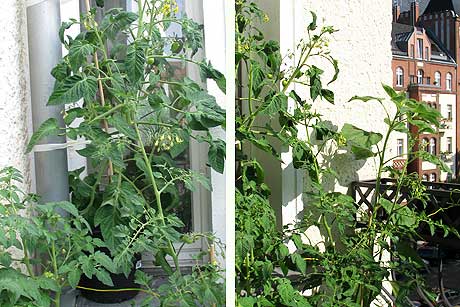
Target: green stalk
<point>157,194</point>
<point>57,299</point>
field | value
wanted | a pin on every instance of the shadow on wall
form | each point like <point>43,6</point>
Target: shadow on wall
<point>344,170</point>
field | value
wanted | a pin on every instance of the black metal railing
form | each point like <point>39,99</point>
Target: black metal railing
<point>442,203</point>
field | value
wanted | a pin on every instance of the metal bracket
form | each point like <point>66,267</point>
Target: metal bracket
<point>51,147</point>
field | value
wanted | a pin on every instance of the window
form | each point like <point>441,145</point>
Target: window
<point>449,81</point>
<point>427,53</point>
<point>399,76</point>
<point>433,177</point>
<point>437,78</point>
<point>420,76</point>
<point>400,147</point>
<point>449,112</point>
<point>424,145</point>
<point>449,144</point>
<point>432,146</point>
<point>420,48</point>
<point>425,178</point>
<point>412,52</point>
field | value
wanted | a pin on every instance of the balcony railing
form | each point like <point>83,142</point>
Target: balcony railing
<point>443,203</point>
<point>424,81</point>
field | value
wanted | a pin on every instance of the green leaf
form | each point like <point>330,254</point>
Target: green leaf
<point>426,156</point>
<point>78,53</point>
<point>107,217</point>
<point>274,103</point>
<point>209,72</point>
<point>390,91</point>
<point>105,261</point>
<point>121,124</point>
<point>116,21</point>
<point>104,277</point>
<point>328,95</point>
<point>73,89</point>
<point>312,26</point>
<point>135,61</point>
<point>216,156</point>
<point>300,263</point>
<point>314,73</point>
<point>361,141</point>
<point>49,127</point>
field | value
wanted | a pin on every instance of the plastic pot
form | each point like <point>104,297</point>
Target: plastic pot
<point>120,281</point>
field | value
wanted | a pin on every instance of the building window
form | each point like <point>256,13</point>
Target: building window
<point>399,76</point>
<point>449,81</point>
<point>420,48</point>
<point>420,76</point>
<point>449,144</point>
<point>449,112</point>
<point>412,52</point>
<point>425,178</point>
<point>437,78</point>
<point>432,146</point>
<point>427,53</point>
<point>400,147</point>
<point>433,177</point>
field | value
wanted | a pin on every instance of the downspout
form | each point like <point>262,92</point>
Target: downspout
<point>43,23</point>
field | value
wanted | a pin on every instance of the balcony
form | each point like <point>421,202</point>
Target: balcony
<point>425,82</point>
<point>441,204</point>
<point>399,163</point>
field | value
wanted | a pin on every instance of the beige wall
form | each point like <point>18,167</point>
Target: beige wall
<point>14,97</point>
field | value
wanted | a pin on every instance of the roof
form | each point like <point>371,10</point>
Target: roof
<point>443,5</point>
<point>400,35</point>
<point>405,4</point>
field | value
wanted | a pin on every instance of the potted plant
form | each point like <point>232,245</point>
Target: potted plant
<point>41,250</point>
<point>358,246</point>
<point>137,117</point>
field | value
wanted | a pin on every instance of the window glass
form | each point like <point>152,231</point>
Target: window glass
<point>420,48</point>
<point>399,77</point>
<point>400,147</point>
<point>420,76</point>
<point>437,78</point>
<point>449,81</point>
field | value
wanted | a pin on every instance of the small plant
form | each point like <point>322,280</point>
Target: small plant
<point>359,246</point>
<point>138,115</point>
<point>42,251</point>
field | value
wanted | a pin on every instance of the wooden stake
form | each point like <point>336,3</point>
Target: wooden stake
<point>101,94</point>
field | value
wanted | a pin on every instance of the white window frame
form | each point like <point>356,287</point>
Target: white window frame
<point>449,144</point>
<point>399,147</point>
<point>420,75</point>
<point>424,177</point>
<point>201,198</point>
<point>400,76</point>
<point>449,112</point>
<point>449,81</point>
<point>432,146</point>
<point>437,78</point>
<point>420,48</point>
<point>433,177</point>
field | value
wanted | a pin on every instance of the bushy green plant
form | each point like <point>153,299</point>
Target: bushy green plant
<point>138,115</point>
<point>42,251</point>
<point>360,246</point>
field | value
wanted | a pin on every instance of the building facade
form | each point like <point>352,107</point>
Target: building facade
<point>423,65</point>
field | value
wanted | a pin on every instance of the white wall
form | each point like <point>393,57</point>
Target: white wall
<point>14,96</point>
<point>364,55</point>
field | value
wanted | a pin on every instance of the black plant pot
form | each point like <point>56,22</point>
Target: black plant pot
<point>120,281</point>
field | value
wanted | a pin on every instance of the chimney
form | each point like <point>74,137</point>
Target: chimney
<point>414,12</point>
<point>396,11</point>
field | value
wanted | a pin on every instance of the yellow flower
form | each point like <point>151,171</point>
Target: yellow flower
<point>266,18</point>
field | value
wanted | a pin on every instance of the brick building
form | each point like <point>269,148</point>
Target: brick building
<point>424,65</point>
